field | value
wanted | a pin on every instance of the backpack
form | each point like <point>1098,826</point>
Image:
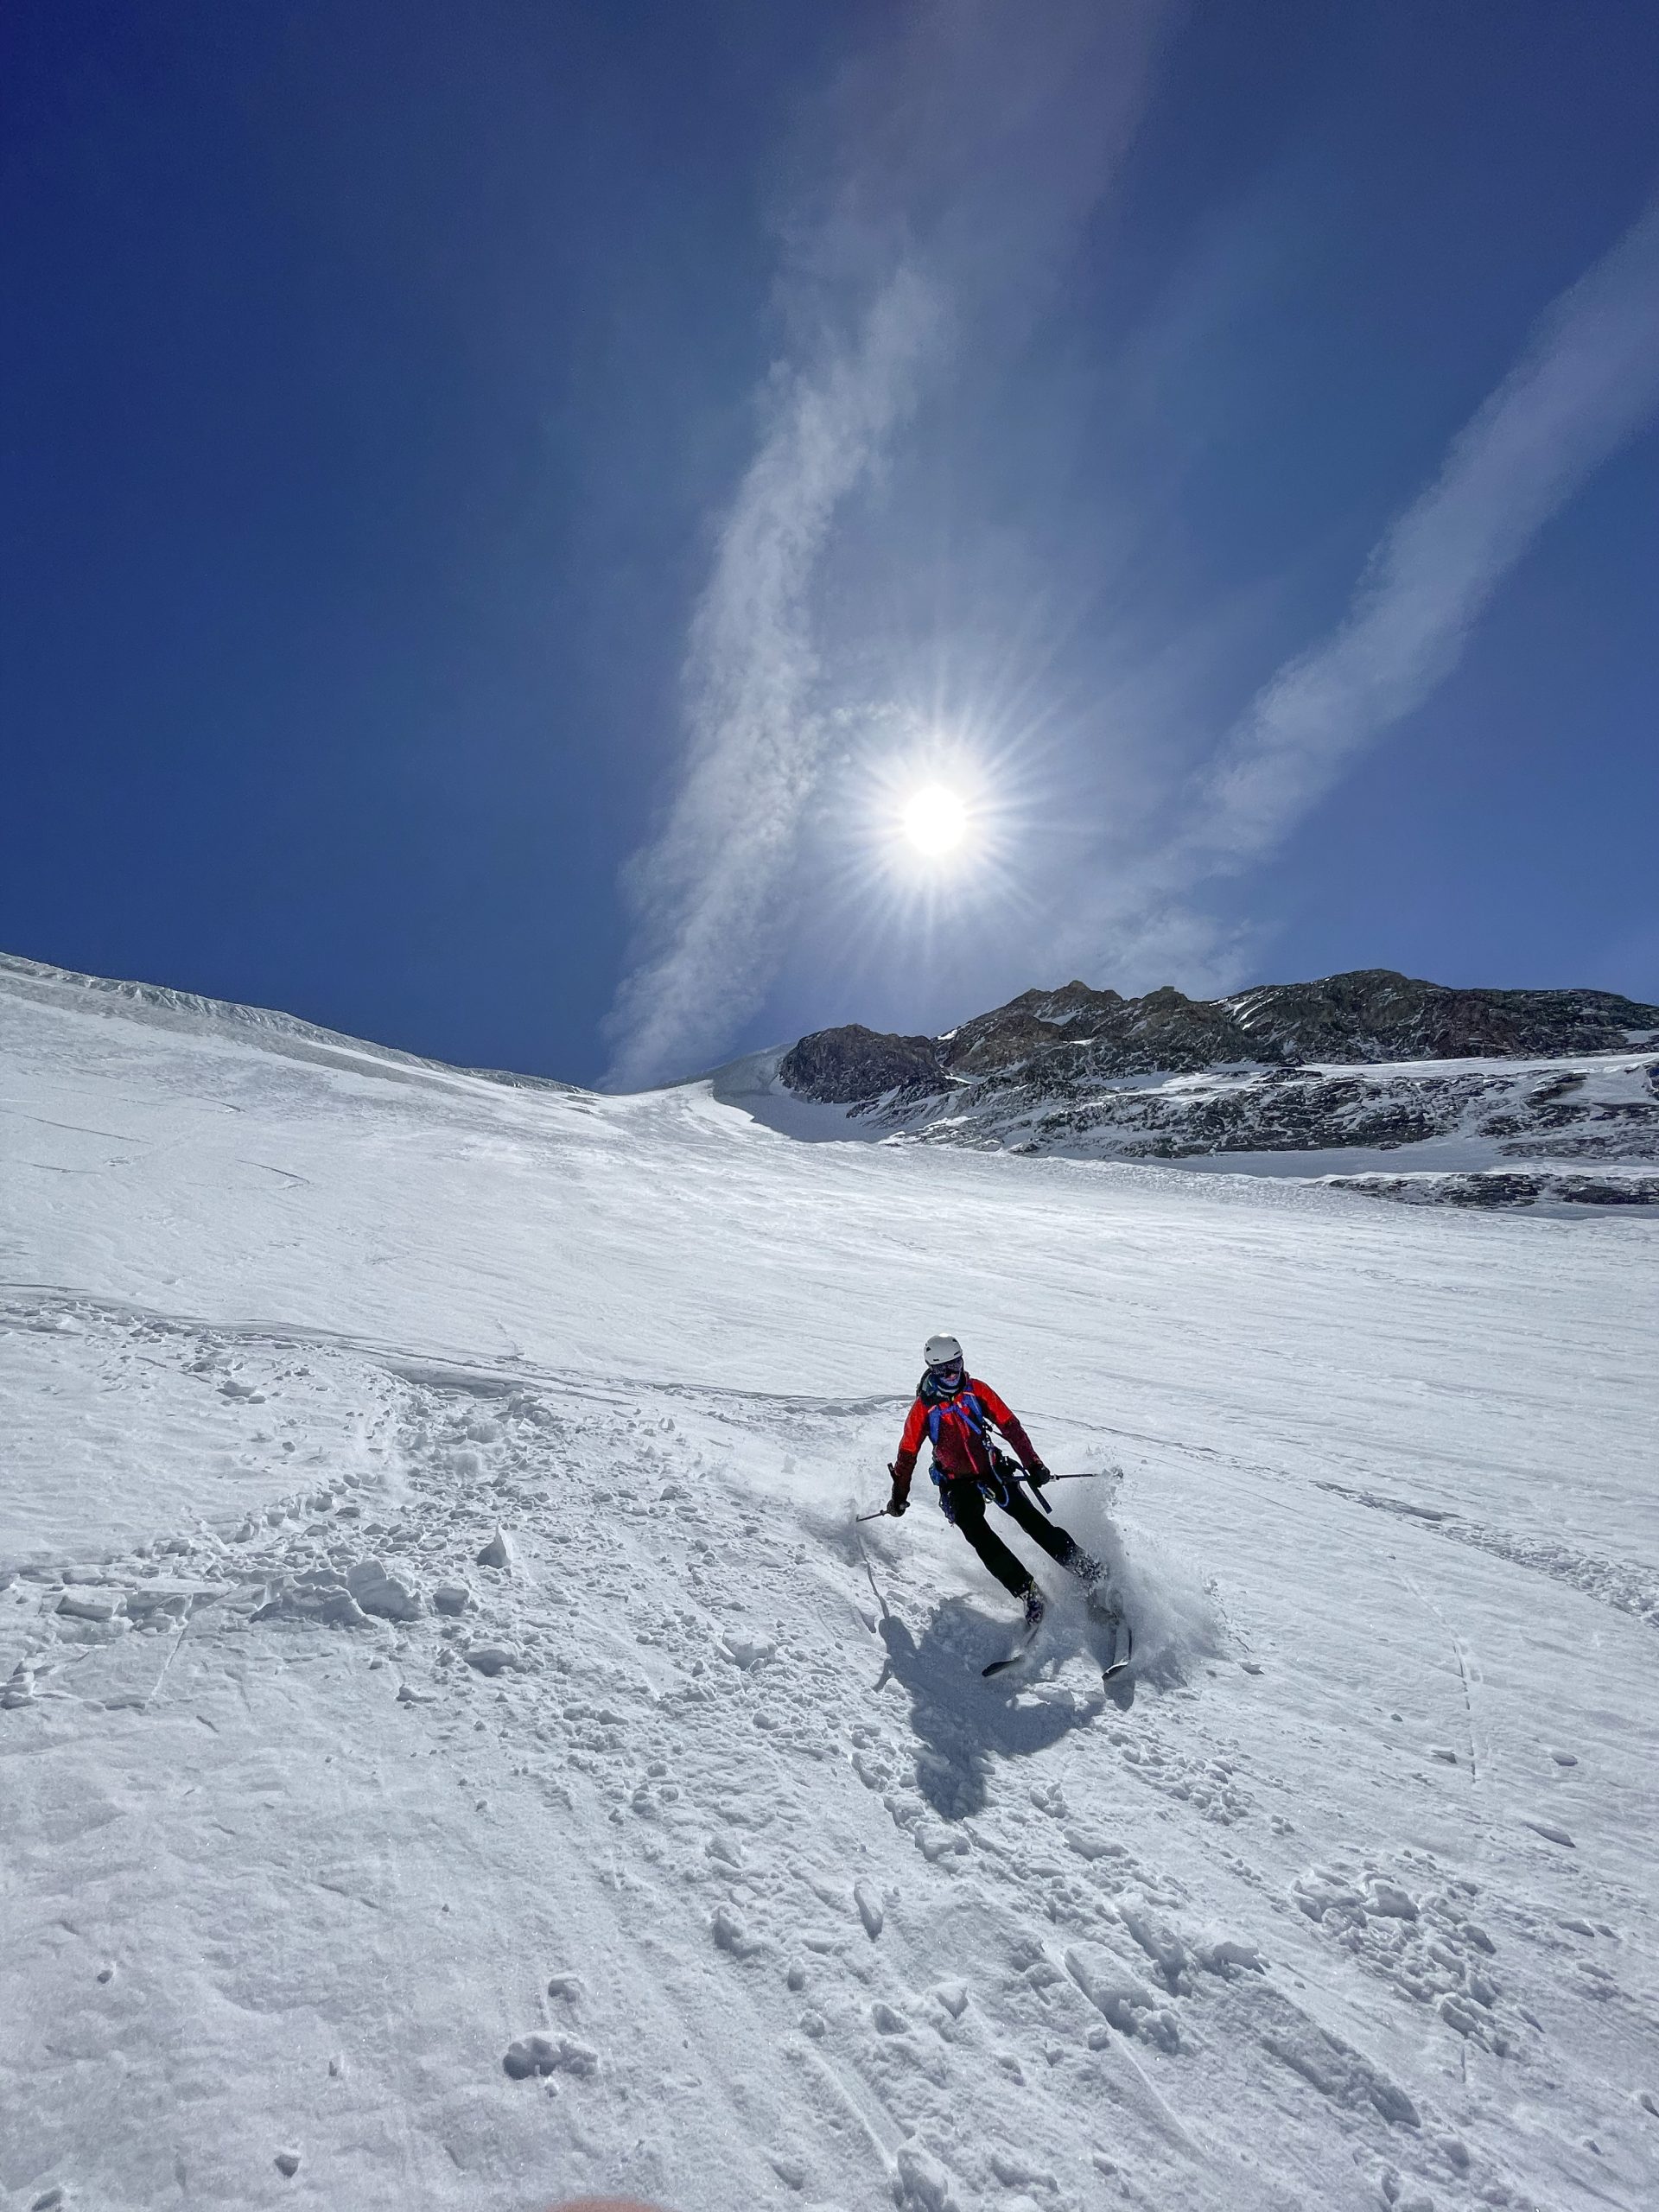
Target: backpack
<point>995,1482</point>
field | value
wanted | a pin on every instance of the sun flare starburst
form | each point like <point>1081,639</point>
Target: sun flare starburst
<point>938,812</point>
<point>935,821</point>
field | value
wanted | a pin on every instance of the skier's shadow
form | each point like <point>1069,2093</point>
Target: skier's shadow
<point>961,1721</point>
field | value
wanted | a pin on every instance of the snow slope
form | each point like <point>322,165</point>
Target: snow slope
<point>459,1751</point>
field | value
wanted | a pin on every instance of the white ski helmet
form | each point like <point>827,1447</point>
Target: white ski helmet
<point>939,1352</point>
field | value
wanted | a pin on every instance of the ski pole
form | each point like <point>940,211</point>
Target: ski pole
<point>1088,1475</point>
<point>880,1513</point>
<point>1009,1471</point>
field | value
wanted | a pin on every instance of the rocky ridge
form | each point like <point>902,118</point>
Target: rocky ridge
<point>1487,1092</point>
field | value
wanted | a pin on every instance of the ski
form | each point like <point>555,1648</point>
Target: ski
<point>1001,1666</point>
<point>1022,1649</point>
<point>1035,1610</point>
<point>1122,1650</point>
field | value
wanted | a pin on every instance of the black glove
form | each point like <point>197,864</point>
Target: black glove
<point>1037,1474</point>
<point>896,1506</point>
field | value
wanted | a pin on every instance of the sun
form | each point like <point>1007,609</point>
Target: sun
<point>935,821</point>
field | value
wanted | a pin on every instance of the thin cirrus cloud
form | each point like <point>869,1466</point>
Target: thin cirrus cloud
<point>913,246</point>
<point>1585,383</point>
<point>709,887</point>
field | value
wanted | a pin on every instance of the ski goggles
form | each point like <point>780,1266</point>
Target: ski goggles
<point>949,1375</point>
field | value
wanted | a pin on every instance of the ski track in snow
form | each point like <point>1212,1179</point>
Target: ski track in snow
<point>429,1777</point>
<point>1632,1588</point>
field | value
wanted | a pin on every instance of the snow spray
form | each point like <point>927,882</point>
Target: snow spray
<point>1176,1619</point>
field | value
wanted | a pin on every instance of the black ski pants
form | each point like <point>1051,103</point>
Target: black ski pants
<point>964,1501</point>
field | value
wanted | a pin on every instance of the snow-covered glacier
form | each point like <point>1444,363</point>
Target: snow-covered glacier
<point>456,1748</point>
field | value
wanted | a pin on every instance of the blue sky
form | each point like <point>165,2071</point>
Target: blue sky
<point>502,506</point>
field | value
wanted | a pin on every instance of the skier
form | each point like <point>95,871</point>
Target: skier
<point>953,1409</point>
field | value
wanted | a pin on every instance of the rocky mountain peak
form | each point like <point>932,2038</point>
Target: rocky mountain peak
<point>1052,1040</point>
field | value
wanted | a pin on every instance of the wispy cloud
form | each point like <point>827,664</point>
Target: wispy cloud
<point>971,145</point>
<point>708,889</point>
<point>1587,381</point>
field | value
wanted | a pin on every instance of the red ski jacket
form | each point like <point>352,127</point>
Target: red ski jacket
<point>960,1445</point>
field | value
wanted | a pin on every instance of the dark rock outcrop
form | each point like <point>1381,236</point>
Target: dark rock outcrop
<point>1373,1014</point>
<point>1494,1188</point>
<point>1359,1064</point>
<point>1052,1041</point>
<point>845,1067</point>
